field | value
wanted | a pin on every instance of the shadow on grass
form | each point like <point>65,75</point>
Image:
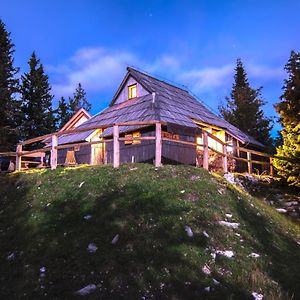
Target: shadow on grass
<point>153,258</point>
<point>282,251</point>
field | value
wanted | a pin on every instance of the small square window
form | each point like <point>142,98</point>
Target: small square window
<point>132,91</point>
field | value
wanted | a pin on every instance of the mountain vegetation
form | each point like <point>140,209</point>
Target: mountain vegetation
<point>243,108</point>
<point>288,162</point>
<point>36,99</point>
<point>9,106</point>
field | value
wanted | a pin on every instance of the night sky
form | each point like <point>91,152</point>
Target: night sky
<point>193,43</point>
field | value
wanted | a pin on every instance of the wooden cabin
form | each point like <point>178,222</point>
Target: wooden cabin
<point>139,98</point>
<point>84,154</point>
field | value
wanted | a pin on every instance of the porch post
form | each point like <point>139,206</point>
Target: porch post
<point>205,150</point>
<point>53,159</point>
<point>116,162</point>
<point>18,157</point>
<point>158,145</point>
<point>224,158</point>
<point>271,167</point>
<point>249,163</point>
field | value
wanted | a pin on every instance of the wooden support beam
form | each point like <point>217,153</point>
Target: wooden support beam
<point>158,145</point>
<point>224,159</point>
<point>271,167</point>
<point>53,160</point>
<point>249,162</point>
<point>18,157</point>
<point>205,150</point>
<point>116,162</point>
<point>237,148</point>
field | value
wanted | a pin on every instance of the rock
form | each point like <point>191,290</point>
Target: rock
<point>81,184</point>
<point>115,239</point>
<point>290,203</point>
<point>227,253</point>
<point>86,290</point>
<point>229,224</point>
<point>188,231</point>
<point>257,296</point>
<point>206,269</point>
<point>92,248</point>
<point>205,234</point>
<point>255,255</point>
<point>11,256</point>
<point>230,178</point>
<point>281,210</point>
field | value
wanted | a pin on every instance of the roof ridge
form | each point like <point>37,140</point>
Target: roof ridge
<point>161,79</point>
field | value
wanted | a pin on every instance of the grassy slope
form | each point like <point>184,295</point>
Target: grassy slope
<point>42,222</point>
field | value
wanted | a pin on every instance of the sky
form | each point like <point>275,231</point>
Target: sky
<point>190,43</point>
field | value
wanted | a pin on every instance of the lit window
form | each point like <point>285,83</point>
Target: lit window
<point>131,141</point>
<point>128,142</point>
<point>132,91</point>
<point>136,135</point>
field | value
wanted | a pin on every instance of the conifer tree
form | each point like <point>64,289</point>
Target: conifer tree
<point>9,106</point>
<point>79,100</point>
<point>63,113</point>
<point>289,110</point>
<point>36,101</point>
<point>243,108</point>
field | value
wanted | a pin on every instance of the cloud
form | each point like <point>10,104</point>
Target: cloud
<point>207,78</point>
<point>96,68</point>
<point>100,70</point>
<point>265,72</point>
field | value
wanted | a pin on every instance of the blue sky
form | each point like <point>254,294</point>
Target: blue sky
<point>194,43</point>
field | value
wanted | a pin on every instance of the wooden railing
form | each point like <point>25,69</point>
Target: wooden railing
<point>158,146</point>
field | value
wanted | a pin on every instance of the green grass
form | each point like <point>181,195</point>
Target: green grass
<point>42,222</point>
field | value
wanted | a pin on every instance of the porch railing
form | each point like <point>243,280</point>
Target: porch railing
<point>158,138</point>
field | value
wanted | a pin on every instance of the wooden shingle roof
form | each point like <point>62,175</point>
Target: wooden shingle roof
<point>165,102</point>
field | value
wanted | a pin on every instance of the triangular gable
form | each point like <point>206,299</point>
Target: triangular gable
<point>121,94</point>
<point>77,119</point>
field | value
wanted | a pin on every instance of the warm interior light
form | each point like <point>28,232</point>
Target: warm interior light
<point>132,91</point>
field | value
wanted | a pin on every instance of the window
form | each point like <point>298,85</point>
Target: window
<point>132,91</point>
<point>169,135</point>
<point>134,135</point>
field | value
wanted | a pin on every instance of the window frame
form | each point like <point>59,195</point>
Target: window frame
<point>130,89</point>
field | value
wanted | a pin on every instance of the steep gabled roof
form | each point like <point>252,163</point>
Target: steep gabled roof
<point>81,113</point>
<point>165,102</point>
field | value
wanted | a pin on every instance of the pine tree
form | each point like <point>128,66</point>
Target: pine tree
<point>63,113</point>
<point>79,100</point>
<point>36,101</point>
<point>243,108</point>
<point>289,110</point>
<point>9,106</point>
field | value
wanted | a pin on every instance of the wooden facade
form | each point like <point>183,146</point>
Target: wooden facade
<point>155,122</point>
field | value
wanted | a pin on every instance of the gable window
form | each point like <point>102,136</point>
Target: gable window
<point>132,91</point>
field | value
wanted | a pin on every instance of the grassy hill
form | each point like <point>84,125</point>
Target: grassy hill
<point>158,234</point>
